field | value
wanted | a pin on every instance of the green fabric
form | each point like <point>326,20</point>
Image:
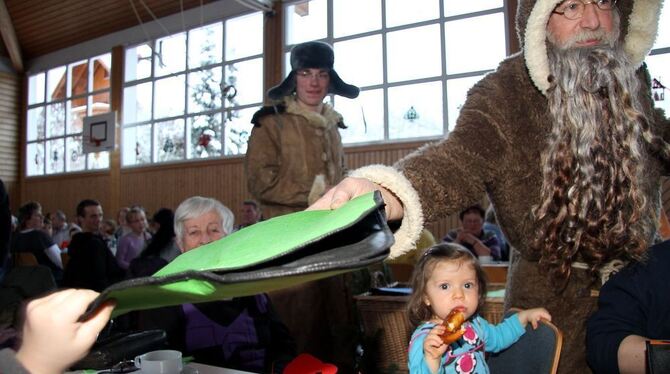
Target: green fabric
<point>268,239</point>
<point>273,254</point>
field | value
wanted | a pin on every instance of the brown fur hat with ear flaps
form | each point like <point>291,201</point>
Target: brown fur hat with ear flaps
<point>313,55</point>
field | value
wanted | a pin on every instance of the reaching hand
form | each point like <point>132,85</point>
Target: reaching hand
<point>53,336</point>
<point>533,316</point>
<point>350,188</point>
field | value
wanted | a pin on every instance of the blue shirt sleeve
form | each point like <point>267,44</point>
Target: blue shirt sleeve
<point>416,364</point>
<point>500,336</point>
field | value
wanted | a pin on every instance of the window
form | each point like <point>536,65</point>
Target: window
<point>408,57</point>
<point>58,100</point>
<point>191,95</point>
<point>658,63</point>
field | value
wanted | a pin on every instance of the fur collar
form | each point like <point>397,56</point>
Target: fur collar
<point>639,25</point>
<point>328,117</point>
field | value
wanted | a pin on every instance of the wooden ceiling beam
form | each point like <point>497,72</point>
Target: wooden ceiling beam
<point>9,37</point>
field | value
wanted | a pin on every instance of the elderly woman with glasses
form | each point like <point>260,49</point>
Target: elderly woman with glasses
<point>242,333</point>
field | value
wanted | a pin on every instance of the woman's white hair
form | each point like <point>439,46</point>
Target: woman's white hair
<point>196,206</point>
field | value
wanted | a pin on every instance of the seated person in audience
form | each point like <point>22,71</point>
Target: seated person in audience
<point>162,248</point>
<point>244,332</point>
<point>33,239</point>
<point>472,235</point>
<point>53,337</point>
<point>131,245</point>
<point>633,306</point>
<point>122,227</point>
<point>48,227</point>
<point>491,224</point>
<point>61,229</point>
<point>250,214</point>
<point>108,230</point>
<point>92,265</point>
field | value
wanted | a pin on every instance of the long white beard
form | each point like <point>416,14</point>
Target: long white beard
<point>591,195</point>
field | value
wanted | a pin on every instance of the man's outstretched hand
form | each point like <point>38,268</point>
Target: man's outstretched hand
<point>350,188</point>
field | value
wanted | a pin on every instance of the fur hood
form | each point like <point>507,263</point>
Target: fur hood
<point>639,25</point>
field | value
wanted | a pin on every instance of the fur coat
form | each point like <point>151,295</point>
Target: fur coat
<point>496,149</point>
<point>288,148</point>
<point>294,153</point>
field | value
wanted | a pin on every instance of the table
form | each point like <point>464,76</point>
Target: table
<point>496,272</point>
<point>201,369</point>
<point>208,369</point>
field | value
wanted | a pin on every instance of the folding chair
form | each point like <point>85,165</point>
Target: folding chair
<point>536,352</point>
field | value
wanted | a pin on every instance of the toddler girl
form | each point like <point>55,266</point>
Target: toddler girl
<point>448,277</point>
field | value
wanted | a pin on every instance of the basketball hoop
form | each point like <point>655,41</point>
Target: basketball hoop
<point>96,141</point>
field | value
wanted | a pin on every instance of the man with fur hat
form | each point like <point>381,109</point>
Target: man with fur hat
<point>294,152</point>
<point>564,139</point>
<point>295,146</point>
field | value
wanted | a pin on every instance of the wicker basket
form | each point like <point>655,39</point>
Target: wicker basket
<point>493,308</point>
<point>384,321</point>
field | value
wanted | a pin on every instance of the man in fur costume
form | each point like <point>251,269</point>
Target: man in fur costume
<point>564,139</point>
<point>294,152</point>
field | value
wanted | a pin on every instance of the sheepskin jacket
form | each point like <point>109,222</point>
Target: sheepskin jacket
<point>288,148</point>
<point>496,149</point>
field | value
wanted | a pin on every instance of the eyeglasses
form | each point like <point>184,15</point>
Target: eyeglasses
<point>306,74</point>
<point>574,9</point>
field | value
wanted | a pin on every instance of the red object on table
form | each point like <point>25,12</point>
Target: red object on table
<point>308,364</point>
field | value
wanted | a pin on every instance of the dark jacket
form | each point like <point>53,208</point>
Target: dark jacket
<point>92,265</point>
<point>635,301</point>
<point>243,333</point>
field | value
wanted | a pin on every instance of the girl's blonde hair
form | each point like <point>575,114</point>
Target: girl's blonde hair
<point>417,310</point>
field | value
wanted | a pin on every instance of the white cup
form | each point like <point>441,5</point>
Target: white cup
<point>485,259</point>
<point>160,362</point>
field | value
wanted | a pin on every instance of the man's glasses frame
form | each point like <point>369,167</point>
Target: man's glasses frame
<point>574,9</point>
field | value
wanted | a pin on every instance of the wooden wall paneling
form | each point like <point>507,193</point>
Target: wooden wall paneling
<point>167,186</point>
<point>10,120</point>
<point>65,192</point>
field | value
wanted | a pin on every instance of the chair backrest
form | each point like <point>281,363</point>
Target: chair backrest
<point>24,259</point>
<point>536,352</point>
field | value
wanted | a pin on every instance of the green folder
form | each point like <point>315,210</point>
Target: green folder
<point>273,254</point>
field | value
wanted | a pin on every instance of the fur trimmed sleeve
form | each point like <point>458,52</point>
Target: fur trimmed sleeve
<point>412,221</point>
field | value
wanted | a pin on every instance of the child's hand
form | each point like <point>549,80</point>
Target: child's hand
<point>533,316</point>
<point>434,348</point>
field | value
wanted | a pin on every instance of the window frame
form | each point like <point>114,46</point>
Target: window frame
<point>69,97</point>
<point>185,116</point>
<point>444,77</point>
